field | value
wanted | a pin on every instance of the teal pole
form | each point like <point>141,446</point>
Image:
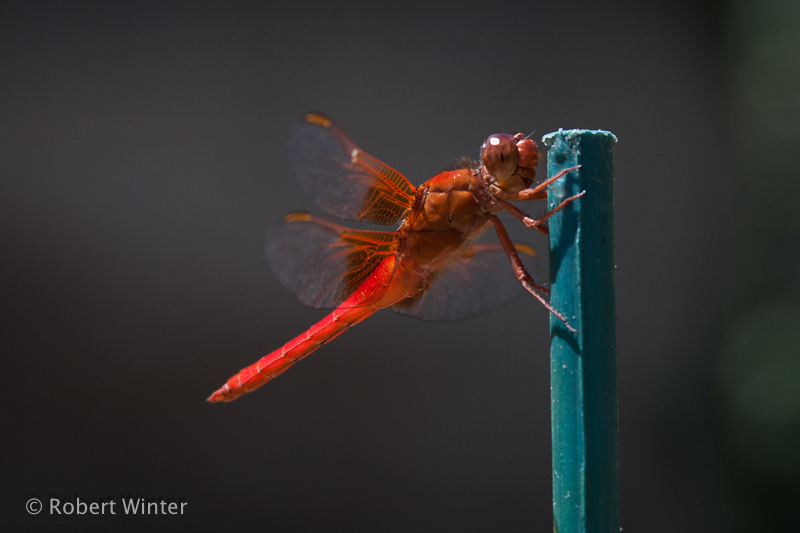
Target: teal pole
<point>583,373</point>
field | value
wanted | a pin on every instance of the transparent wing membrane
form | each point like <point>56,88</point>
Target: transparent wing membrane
<point>322,262</point>
<point>344,181</point>
<point>480,281</point>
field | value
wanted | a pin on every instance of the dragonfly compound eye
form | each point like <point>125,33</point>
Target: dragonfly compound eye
<point>500,155</point>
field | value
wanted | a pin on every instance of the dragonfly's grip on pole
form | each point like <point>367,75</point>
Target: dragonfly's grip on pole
<point>583,364</point>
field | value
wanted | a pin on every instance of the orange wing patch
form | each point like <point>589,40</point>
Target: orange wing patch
<point>343,180</point>
<point>323,262</point>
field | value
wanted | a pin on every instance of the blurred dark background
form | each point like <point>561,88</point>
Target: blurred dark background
<point>142,160</point>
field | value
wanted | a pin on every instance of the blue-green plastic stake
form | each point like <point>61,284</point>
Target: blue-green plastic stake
<point>583,373</point>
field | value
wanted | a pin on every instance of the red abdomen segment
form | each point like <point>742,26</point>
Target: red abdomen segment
<point>269,366</point>
<point>375,293</point>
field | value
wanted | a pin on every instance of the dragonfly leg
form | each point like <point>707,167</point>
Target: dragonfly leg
<point>538,223</point>
<point>524,217</point>
<point>538,192</point>
<point>522,274</point>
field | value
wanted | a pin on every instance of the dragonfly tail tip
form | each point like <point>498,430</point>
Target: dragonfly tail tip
<point>219,396</point>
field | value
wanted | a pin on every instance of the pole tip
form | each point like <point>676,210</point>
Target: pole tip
<point>550,138</point>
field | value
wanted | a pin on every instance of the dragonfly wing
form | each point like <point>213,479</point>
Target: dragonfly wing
<point>323,263</point>
<point>344,181</point>
<point>480,281</point>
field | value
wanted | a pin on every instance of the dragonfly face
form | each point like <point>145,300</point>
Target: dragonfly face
<point>511,160</point>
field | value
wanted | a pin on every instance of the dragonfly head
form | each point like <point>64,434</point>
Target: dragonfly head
<point>510,159</point>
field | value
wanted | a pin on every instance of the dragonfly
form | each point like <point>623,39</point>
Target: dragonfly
<point>430,267</point>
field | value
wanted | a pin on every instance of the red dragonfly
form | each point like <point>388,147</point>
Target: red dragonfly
<point>429,268</point>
